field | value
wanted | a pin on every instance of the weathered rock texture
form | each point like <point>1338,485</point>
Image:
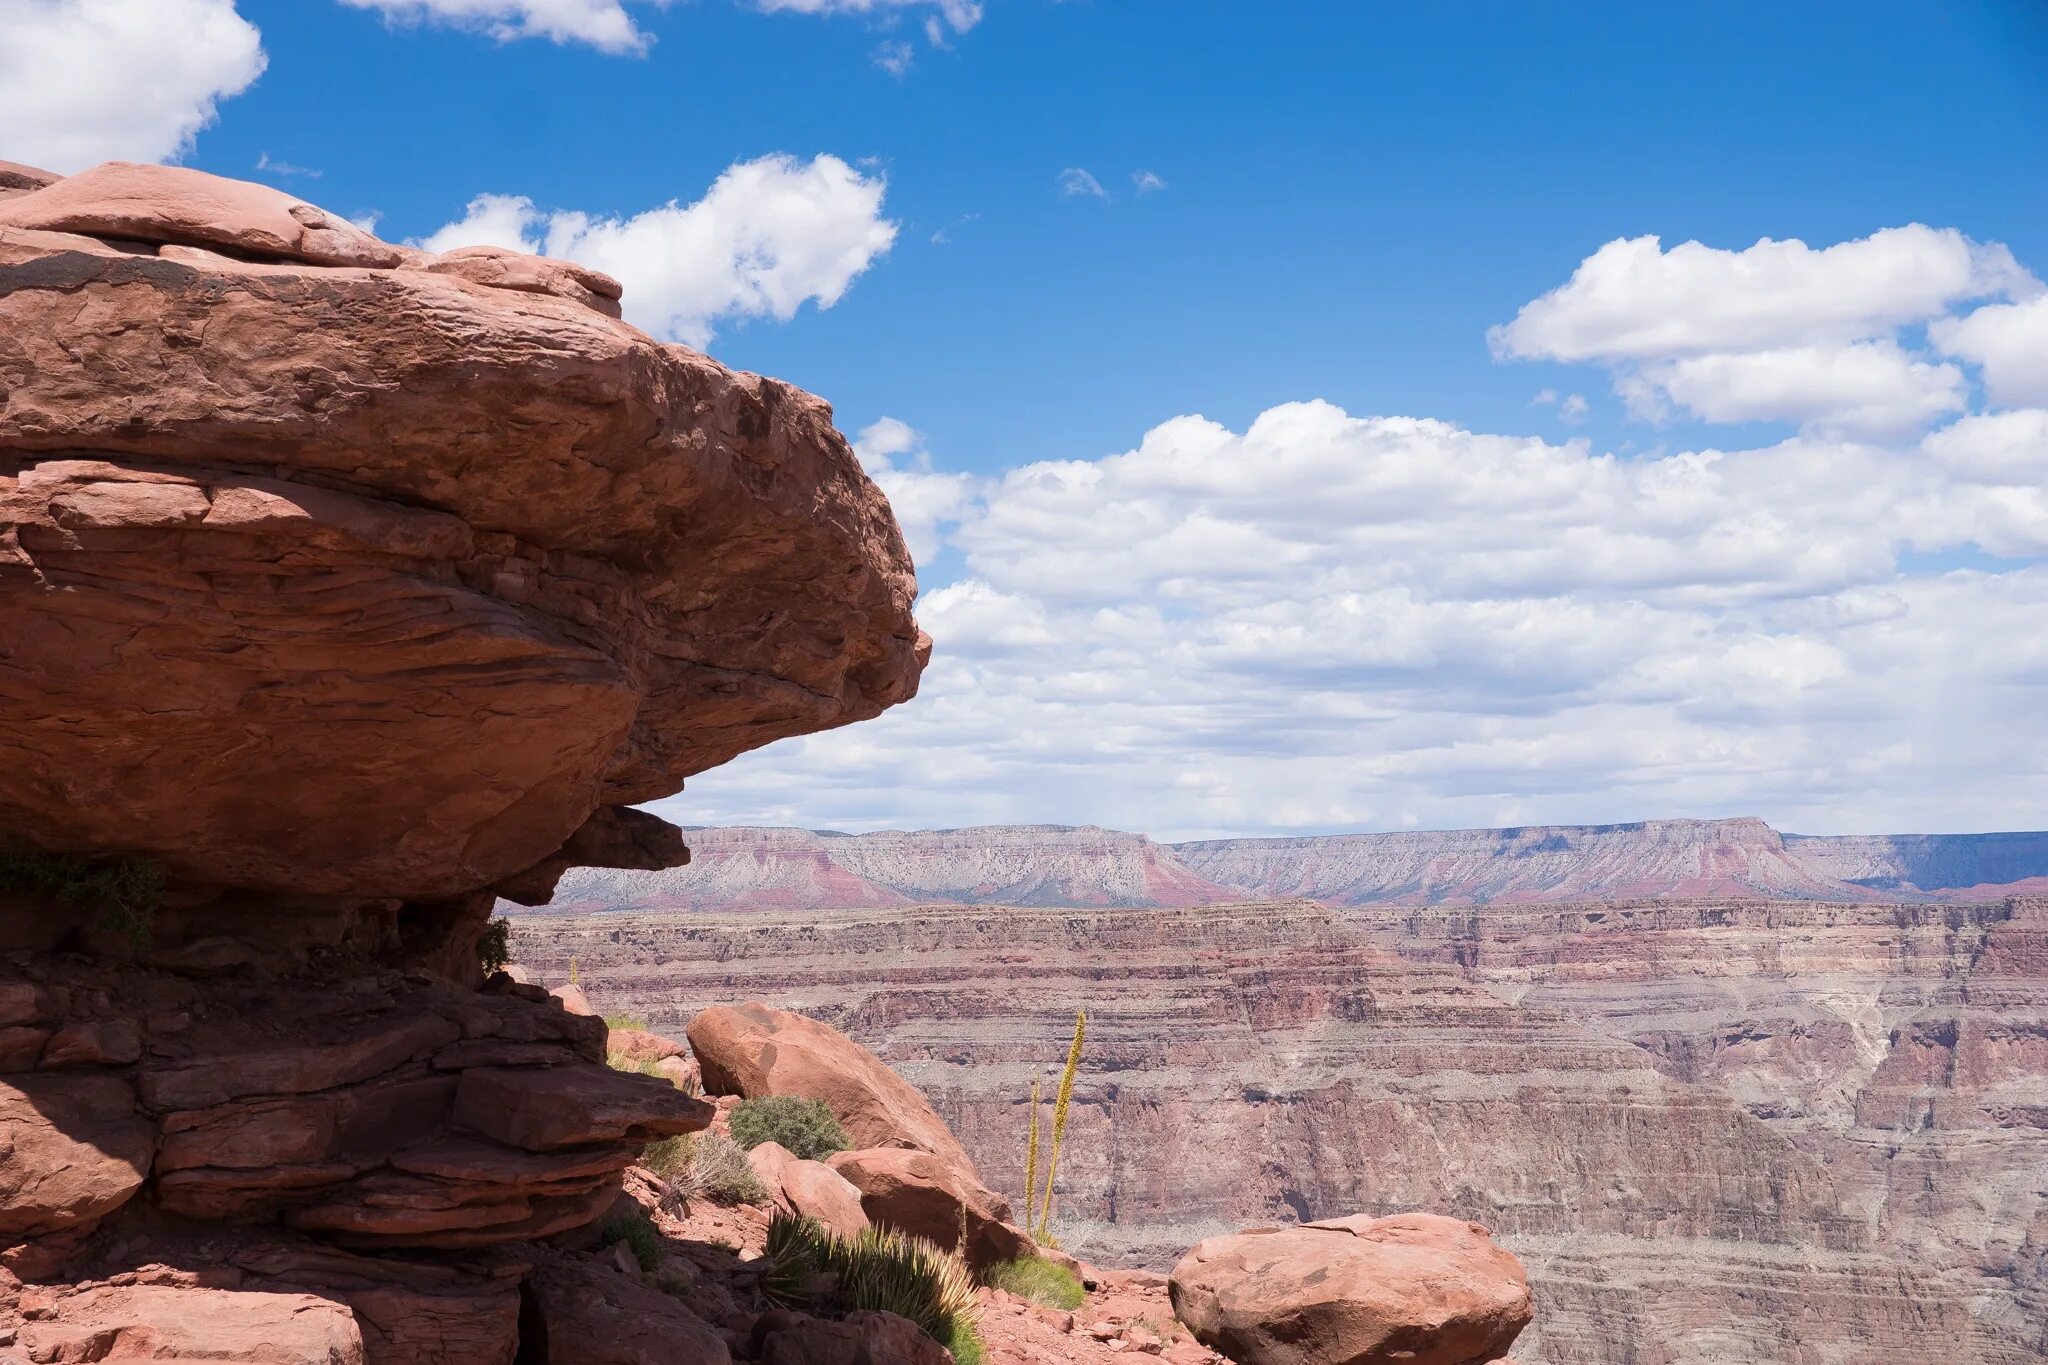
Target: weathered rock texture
<point>332,567</point>
<point>1412,1289</point>
<point>381,1110</point>
<point>351,586</point>
<point>755,1051</point>
<point>1717,1132</point>
<point>1052,865</point>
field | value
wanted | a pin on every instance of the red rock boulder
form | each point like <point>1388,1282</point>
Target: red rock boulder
<point>588,1315</point>
<point>753,1050</point>
<point>809,1189</point>
<point>1413,1289</point>
<point>917,1193</point>
<point>869,1337</point>
<point>181,1322</point>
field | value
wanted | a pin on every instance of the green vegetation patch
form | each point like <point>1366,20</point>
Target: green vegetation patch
<point>806,1127</point>
<point>1037,1279</point>
<point>494,948</point>
<point>637,1231</point>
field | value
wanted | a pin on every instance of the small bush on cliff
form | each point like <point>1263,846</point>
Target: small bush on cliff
<point>494,949</point>
<point>882,1269</point>
<point>667,1157</point>
<point>805,1127</point>
<point>125,893</point>
<point>722,1172</point>
<point>1037,1279</point>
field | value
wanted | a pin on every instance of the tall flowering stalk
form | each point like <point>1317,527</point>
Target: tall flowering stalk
<point>1031,1156</point>
<point>1059,1121</point>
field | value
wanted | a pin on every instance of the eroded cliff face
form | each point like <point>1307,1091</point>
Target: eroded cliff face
<point>1628,1094</point>
<point>343,588</point>
<point>786,869</point>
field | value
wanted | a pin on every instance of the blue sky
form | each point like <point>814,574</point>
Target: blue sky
<point>1342,200</point>
<point>1355,191</point>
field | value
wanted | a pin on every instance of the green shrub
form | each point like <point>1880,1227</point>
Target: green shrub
<point>125,892</point>
<point>494,948</point>
<point>637,1231</point>
<point>880,1268</point>
<point>632,1021</point>
<point>1037,1279</point>
<point>805,1127</point>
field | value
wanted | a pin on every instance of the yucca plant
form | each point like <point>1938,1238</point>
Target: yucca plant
<point>880,1268</point>
<point>1065,1097</point>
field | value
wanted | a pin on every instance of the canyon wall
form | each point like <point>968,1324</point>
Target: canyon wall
<point>768,869</point>
<point>1719,1132</point>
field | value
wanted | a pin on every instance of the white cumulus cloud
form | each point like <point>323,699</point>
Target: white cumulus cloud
<point>85,81</point>
<point>1783,332</point>
<point>2010,342</point>
<point>1634,300</point>
<point>604,24</point>
<point>894,456</point>
<point>1870,388</point>
<point>1329,621</point>
<point>768,236</point>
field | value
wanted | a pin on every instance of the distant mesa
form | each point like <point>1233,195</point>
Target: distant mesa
<point>1053,865</point>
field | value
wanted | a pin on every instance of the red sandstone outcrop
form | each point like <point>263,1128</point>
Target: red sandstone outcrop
<point>349,585</point>
<point>385,1113</point>
<point>413,567</point>
<point>1413,1288</point>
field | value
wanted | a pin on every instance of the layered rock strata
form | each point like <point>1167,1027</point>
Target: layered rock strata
<point>1055,865</point>
<point>1283,1062</point>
